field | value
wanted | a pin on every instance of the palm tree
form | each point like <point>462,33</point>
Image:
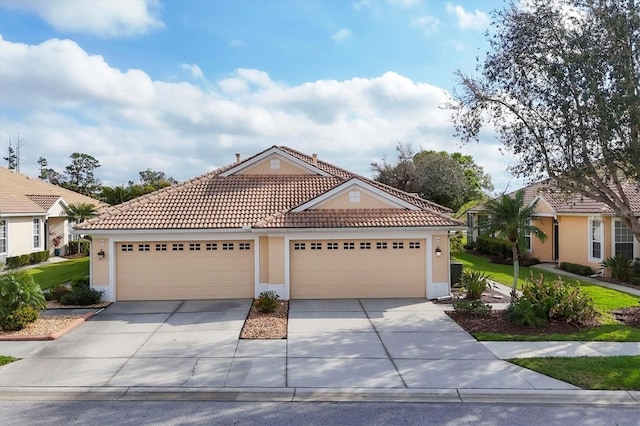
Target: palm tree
<point>79,212</point>
<point>510,219</point>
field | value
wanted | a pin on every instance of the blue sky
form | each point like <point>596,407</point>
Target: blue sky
<point>180,86</point>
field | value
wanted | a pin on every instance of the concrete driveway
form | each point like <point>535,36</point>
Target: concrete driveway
<point>367,343</point>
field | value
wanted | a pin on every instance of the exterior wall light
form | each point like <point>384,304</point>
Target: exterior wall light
<point>438,251</point>
<point>101,254</point>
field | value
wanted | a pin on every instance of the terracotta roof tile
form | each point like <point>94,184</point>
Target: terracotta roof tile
<point>212,201</point>
<point>23,194</point>
<point>562,202</point>
<point>359,218</point>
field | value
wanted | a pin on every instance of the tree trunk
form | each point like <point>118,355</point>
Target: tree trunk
<point>516,271</point>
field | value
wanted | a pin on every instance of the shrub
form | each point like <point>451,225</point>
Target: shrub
<point>13,262</point>
<point>20,318</point>
<point>79,246</point>
<point>473,307</point>
<point>475,282</point>
<point>81,296</point>
<point>455,243</point>
<point>268,302</point>
<point>56,292</point>
<point>523,312</point>
<point>543,301</point>
<point>470,245</point>
<point>575,268</point>
<point>39,256</point>
<point>494,246</point>
<point>80,282</point>
<point>529,261</point>
<point>17,290</point>
<point>620,267</point>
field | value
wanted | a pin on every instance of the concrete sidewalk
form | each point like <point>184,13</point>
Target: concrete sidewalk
<point>369,349</point>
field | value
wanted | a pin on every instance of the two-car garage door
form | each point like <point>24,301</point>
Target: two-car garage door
<point>184,270</point>
<point>357,268</point>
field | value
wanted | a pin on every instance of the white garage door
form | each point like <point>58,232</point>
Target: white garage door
<point>184,270</point>
<point>357,269</point>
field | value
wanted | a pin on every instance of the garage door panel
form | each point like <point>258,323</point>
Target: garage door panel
<point>184,274</point>
<point>358,272</point>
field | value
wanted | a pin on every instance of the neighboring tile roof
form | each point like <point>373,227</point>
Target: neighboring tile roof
<point>212,201</point>
<point>22,194</point>
<point>562,202</point>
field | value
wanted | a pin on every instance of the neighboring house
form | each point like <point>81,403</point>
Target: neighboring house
<point>32,214</point>
<point>279,220</point>
<point>579,229</point>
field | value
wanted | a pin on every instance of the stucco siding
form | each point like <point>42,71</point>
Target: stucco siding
<point>573,234</point>
<point>540,250</point>
<point>367,201</point>
<point>264,167</point>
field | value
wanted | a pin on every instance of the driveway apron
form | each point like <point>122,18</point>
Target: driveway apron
<point>346,343</point>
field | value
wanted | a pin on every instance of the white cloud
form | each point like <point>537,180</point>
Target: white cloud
<point>341,35</point>
<point>361,4</point>
<point>429,25</point>
<point>106,18</point>
<point>236,42</point>
<point>476,20</point>
<point>405,3</point>
<point>63,100</point>
<point>194,70</point>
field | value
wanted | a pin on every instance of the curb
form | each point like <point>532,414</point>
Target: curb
<point>53,336</point>
<point>465,396</point>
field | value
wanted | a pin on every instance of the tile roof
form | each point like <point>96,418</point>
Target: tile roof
<point>562,202</point>
<point>213,201</point>
<point>358,218</point>
<point>22,194</point>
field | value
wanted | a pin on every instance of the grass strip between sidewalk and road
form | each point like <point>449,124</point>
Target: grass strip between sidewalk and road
<point>605,300</point>
<point>51,274</point>
<point>591,373</point>
<point>4,359</point>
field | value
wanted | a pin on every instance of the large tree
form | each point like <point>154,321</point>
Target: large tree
<point>560,86</point>
<point>447,179</point>
<point>80,174</point>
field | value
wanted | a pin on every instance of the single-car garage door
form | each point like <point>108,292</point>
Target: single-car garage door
<point>357,269</point>
<point>184,270</point>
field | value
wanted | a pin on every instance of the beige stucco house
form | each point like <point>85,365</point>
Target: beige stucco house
<point>279,220</point>
<point>579,230</point>
<point>32,214</point>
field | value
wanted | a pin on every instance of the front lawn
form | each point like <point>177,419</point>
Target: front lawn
<point>604,373</point>
<point>50,274</point>
<point>605,300</point>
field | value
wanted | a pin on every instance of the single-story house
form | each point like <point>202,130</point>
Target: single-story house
<point>32,214</point>
<point>579,229</point>
<point>279,220</point>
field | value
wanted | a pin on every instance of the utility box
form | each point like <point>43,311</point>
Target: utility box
<point>455,272</point>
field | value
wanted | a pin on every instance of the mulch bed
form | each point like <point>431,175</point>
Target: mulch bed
<point>266,326</point>
<point>628,316</point>
<point>498,322</point>
<point>490,296</point>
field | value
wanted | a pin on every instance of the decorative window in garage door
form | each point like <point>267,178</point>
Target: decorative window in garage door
<point>178,247</point>
<point>211,246</point>
<point>365,246</point>
<point>381,245</point>
<point>127,247</point>
<point>349,246</point>
<point>144,247</point>
<point>398,245</point>
<point>316,246</point>
<point>194,246</point>
<point>414,244</point>
<point>227,246</point>
<point>244,246</point>
<point>299,246</point>
<point>161,247</point>
<point>332,246</point>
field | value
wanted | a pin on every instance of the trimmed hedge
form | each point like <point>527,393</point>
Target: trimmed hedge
<point>493,246</point>
<point>79,246</point>
<point>576,268</point>
<point>27,259</point>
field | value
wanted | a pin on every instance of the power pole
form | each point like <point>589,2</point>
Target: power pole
<point>18,146</point>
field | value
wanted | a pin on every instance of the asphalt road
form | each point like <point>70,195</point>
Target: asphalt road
<point>306,413</point>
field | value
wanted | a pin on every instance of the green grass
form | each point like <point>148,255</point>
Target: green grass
<point>603,333</point>
<point>604,373</point>
<point>57,273</point>
<point>6,359</point>
<point>605,301</point>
